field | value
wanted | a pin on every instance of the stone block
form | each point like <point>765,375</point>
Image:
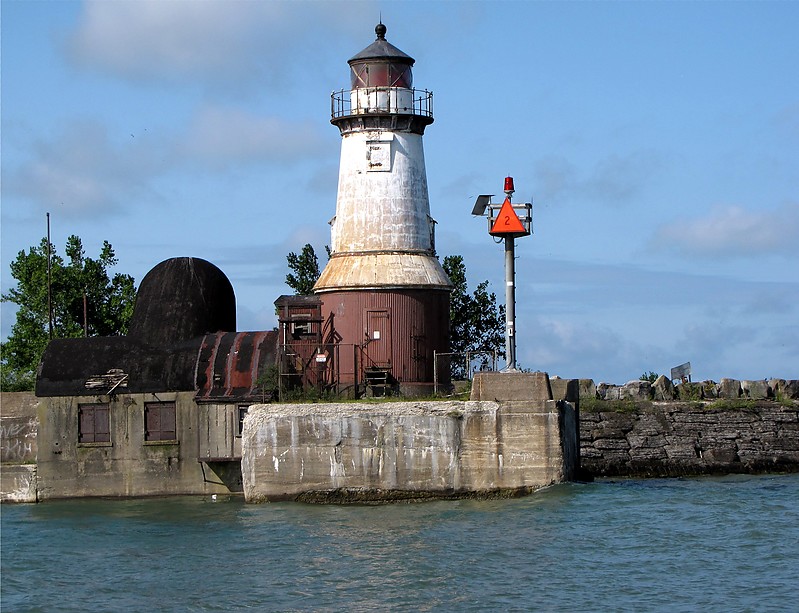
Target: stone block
<point>663,389</point>
<point>652,424</point>
<point>590,452</point>
<point>721,454</point>
<point>621,421</point>
<point>616,456</point>
<point>729,388</point>
<point>565,389</point>
<point>502,386</point>
<point>638,441</point>
<point>590,418</point>
<point>608,391</point>
<point>681,448</point>
<point>647,453</point>
<point>755,390</point>
<point>710,390</point>
<point>611,443</point>
<point>636,390</point>
<point>587,389</point>
<point>785,389</point>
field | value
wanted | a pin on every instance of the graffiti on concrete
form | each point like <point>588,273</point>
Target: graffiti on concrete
<point>17,440</point>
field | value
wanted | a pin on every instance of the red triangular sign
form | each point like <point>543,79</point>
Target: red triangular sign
<point>508,221</point>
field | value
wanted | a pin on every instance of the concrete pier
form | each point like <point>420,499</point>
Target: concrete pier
<point>407,450</point>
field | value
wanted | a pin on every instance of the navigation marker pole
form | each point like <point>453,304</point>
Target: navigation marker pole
<point>507,225</point>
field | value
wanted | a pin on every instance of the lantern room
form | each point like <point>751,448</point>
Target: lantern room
<point>381,64</point>
<point>381,80</point>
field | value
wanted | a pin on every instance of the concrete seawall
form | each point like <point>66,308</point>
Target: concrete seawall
<point>384,451</point>
<point>19,429</point>
<point>405,451</point>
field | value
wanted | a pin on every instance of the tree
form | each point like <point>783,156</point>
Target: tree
<point>85,301</point>
<point>477,323</point>
<point>305,269</point>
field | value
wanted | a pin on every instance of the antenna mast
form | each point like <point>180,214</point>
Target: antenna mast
<point>49,281</point>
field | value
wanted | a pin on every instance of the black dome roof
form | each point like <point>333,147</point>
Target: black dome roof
<point>180,299</point>
<point>381,49</point>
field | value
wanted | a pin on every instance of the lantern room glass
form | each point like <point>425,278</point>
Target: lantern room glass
<point>381,74</point>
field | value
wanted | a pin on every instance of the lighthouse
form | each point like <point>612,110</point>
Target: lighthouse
<point>383,291</point>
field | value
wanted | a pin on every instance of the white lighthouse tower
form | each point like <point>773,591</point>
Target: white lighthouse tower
<point>383,290</point>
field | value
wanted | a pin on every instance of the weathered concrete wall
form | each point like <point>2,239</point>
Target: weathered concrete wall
<point>353,452</point>
<point>18,446</point>
<point>18,427</point>
<point>127,465</point>
<point>392,451</point>
<point>676,439</point>
<point>18,483</point>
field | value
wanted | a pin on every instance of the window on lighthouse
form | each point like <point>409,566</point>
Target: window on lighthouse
<point>382,75</point>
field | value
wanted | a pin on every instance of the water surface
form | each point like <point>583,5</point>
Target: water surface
<point>711,544</point>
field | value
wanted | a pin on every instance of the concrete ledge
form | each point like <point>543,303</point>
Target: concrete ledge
<point>503,386</point>
<point>18,483</point>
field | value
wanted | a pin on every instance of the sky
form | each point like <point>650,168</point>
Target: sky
<point>657,141</point>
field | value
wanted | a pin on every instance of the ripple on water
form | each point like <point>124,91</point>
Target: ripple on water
<point>652,545</point>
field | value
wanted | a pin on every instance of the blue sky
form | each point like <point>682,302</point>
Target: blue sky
<point>659,142</point>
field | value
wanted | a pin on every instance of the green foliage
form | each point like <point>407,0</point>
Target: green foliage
<point>269,383</point>
<point>689,391</point>
<point>649,376</point>
<point>477,323</point>
<point>304,395</point>
<point>732,404</point>
<point>628,405</point>
<point>305,270</point>
<point>109,305</point>
<point>784,400</point>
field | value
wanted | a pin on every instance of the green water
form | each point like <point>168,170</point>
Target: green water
<point>720,544</point>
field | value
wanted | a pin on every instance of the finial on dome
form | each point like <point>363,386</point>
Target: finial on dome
<point>380,30</point>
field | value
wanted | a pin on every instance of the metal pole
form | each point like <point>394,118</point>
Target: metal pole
<point>510,303</point>
<point>49,281</point>
<point>435,373</point>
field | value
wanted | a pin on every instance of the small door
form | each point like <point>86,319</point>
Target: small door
<point>378,338</point>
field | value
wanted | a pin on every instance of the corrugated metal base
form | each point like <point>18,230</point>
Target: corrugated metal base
<point>395,329</point>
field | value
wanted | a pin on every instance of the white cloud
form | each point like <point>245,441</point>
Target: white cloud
<point>85,172</point>
<point>613,180</point>
<point>213,41</point>
<point>82,172</point>
<point>733,231</point>
<point>582,349</point>
<point>224,136</point>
